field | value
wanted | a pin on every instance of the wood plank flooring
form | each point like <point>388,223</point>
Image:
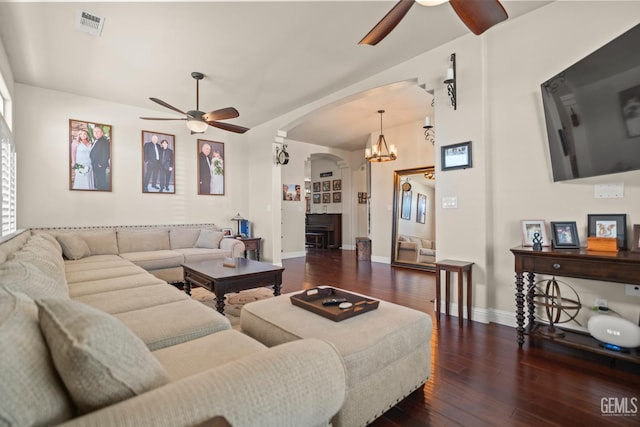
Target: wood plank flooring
<point>480,377</point>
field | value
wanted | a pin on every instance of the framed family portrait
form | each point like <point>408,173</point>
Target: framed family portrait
<point>406,205</point>
<point>90,156</point>
<point>291,192</point>
<point>565,235</point>
<point>456,156</point>
<point>421,209</point>
<point>158,161</point>
<point>210,167</point>
<point>614,225</point>
<point>529,229</point>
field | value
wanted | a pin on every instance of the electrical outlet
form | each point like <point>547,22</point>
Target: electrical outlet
<point>633,290</point>
<point>599,302</point>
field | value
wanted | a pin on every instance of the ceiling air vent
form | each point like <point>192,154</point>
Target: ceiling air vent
<point>89,23</point>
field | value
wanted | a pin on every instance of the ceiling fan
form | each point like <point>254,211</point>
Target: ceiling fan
<point>477,15</point>
<point>197,121</point>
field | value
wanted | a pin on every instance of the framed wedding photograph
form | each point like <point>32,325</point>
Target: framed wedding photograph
<point>565,235</point>
<point>158,160</point>
<point>529,229</point>
<point>90,156</point>
<point>210,167</point>
<point>635,245</point>
<point>405,209</point>
<point>421,209</point>
<point>456,156</point>
<point>605,225</point>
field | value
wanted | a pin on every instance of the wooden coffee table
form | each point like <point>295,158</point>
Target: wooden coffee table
<point>221,280</point>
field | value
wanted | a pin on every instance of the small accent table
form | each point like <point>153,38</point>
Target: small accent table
<point>251,244</point>
<point>459,267</point>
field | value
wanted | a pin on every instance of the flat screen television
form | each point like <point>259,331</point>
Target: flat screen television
<point>592,112</point>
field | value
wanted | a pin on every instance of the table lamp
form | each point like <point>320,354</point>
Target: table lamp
<point>238,218</point>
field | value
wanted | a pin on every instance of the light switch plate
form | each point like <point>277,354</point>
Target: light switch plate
<point>450,202</point>
<point>608,191</point>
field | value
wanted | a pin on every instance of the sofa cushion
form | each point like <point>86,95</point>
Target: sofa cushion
<point>426,244</point>
<point>183,237</point>
<point>73,246</point>
<point>52,240</point>
<point>101,242</point>
<point>32,392</point>
<point>209,239</point>
<point>154,260</point>
<point>100,361</point>
<point>102,273</point>
<point>201,254</point>
<point>143,240</point>
<point>134,298</point>
<point>112,284</point>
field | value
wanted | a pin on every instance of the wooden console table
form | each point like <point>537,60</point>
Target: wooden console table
<point>251,244</point>
<point>621,267</point>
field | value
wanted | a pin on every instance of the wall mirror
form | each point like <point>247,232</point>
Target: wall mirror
<point>414,223</point>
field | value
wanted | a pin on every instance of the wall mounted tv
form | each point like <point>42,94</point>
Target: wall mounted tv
<point>592,112</point>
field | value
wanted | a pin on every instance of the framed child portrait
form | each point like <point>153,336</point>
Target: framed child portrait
<point>210,167</point>
<point>89,156</point>
<point>158,160</point>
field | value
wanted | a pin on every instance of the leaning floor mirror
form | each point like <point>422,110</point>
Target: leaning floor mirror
<point>414,223</point>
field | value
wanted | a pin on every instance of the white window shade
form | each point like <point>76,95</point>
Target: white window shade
<point>8,175</point>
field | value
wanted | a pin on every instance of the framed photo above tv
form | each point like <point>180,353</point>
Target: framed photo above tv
<point>456,156</point>
<point>609,225</point>
<point>565,235</point>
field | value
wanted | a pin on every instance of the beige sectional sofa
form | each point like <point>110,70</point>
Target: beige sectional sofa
<point>416,249</point>
<point>98,340</point>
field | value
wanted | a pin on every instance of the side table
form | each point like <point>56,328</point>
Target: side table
<point>251,244</point>
<point>460,267</point>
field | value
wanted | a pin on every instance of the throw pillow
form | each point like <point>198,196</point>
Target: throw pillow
<point>31,390</point>
<point>73,246</point>
<point>100,360</point>
<point>209,239</point>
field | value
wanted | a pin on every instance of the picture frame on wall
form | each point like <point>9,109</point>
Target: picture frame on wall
<point>326,185</point>
<point>337,197</point>
<point>90,166</point>
<point>362,198</point>
<point>532,226</point>
<point>158,160</point>
<point>316,199</point>
<point>406,205</point>
<point>291,192</point>
<point>326,197</point>
<point>421,209</point>
<point>211,168</point>
<point>456,156</point>
<point>565,235</point>
<point>608,225</point>
<point>316,187</point>
<point>227,232</point>
<point>635,245</point>
<point>337,184</point>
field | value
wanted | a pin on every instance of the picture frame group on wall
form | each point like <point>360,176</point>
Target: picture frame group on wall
<point>608,225</point>
<point>90,167</point>
<point>565,234</point>
<point>456,156</point>
<point>211,168</point>
<point>532,226</point>
<point>158,160</point>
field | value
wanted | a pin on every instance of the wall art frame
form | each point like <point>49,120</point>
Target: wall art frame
<point>90,165</point>
<point>158,162</point>
<point>456,156</point>
<point>211,170</point>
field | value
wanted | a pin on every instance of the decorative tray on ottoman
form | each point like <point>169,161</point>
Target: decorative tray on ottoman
<point>312,299</point>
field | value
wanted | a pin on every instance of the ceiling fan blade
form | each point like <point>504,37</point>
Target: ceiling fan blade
<point>221,114</point>
<point>228,126</point>
<point>388,23</point>
<point>169,106</point>
<point>479,15</point>
<point>161,118</point>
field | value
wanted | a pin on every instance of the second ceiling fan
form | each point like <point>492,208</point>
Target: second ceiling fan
<point>477,15</point>
<point>198,121</point>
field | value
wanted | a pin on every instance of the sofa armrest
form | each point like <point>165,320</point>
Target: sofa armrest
<point>234,245</point>
<point>300,383</point>
<point>408,246</point>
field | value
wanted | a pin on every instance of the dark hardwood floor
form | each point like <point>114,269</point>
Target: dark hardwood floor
<point>479,376</point>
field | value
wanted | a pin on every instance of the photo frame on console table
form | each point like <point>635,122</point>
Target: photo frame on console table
<point>609,225</point>
<point>565,235</point>
<point>90,167</point>
<point>532,226</point>
<point>456,156</point>
<point>210,167</point>
<point>635,245</point>
<point>158,162</point>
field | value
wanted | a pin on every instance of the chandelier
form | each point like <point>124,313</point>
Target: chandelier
<point>380,152</point>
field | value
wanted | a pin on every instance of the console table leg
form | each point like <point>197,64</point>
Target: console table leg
<point>520,308</point>
<point>531,292</point>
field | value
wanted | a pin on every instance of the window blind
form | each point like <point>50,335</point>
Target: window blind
<point>8,175</point>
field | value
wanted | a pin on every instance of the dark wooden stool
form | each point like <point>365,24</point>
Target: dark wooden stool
<point>318,239</point>
<point>451,266</point>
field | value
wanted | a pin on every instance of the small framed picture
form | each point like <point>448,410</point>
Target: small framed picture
<point>337,184</point>
<point>421,210</point>
<point>326,197</point>
<point>531,227</point>
<point>614,225</point>
<point>210,167</point>
<point>405,209</point>
<point>316,187</point>
<point>362,198</point>
<point>316,198</point>
<point>456,156</point>
<point>565,235</point>
<point>227,232</point>
<point>337,197</point>
<point>635,245</point>
<point>326,185</point>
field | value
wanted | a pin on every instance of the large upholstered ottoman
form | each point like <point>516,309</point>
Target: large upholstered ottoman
<point>386,351</point>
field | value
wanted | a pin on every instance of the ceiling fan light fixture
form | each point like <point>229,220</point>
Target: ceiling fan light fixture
<point>197,126</point>
<point>431,2</point>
